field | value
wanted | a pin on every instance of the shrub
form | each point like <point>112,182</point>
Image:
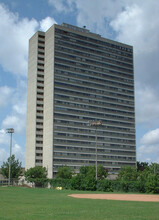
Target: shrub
<point>64,183</point>
<point>89,183</point>
<point>104,185</point>
<point>152,184</point>
<point>128,174</point>
<point>37,175</point>
<point>76,182</point>
<point>64,173</point>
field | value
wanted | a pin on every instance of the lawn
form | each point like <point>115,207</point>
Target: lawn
<point>47,204</point>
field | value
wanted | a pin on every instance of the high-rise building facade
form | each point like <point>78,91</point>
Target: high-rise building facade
<point>76,77</point>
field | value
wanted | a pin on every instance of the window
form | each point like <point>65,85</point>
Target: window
<point>41,42</point>
<point>40,58</point>
<point>41,36</point>
<point>41,53</point>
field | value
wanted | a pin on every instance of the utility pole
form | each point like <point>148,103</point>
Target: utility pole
<point>10,131</point>
<point>96,124</point>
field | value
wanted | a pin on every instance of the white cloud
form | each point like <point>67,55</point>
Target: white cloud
<point>13,58</point>
<point>138,25</point>
<point>19,153</point>
<point>20,109</point>
<point>95,14</point>
<point>62,5</point>
<point>3,137</point>
<point>152,137</point>
<point>147,105</point>
<point>3,156</point>
<point>13,53</point>
<point>18,123</point>
<point>5,93</point>
<point>16,116</point>
<point>133,21</point>
<point>46,23</point>
<point>19,103</point>
<point>2,131</point>
<point>149,148</point>
<point>4,146</point>
<point>135,26</point>
<point>14,38</point>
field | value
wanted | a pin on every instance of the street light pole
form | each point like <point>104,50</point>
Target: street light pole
<point>96,156</point>
<point>10,131</point>
<point>96,124</point>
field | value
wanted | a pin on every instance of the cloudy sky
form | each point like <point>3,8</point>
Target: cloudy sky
<point>135,22</point>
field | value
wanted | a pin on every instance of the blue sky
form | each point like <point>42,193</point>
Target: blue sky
<point>135,22</point>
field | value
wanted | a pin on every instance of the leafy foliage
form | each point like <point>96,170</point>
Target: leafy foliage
<point>37,175</point>
<point>154,168</point>
<point>91,171</point>
<point>128,174</point>
<point>64,183</point>
<point>144,179</point>
<point>86,180</point>
<point>16,168</point>
<point>76,182</point>
<point>104,185</point>
<point>142,165</point>
<point>102,172</point>
<point>152,184</point>
<point>129,179</point>
<point>64,172</point>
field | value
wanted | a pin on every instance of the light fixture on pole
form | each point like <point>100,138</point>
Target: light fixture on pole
<point>96,124</point>
<point>10,131</point>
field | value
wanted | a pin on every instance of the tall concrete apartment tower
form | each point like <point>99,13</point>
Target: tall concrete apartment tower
<point>76,77</point>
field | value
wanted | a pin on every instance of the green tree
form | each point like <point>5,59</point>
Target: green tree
<point>84,170</point>
<point>154,168</point>
<point>86,178</point>
<point>152,183</point>
<point>141,180</point>
<point>148,179</point>
<point>91,171</point>
<point>128,174</point>
<point>36,175</point>
<point>64,172</point>
<point>142,166</point>
<point>16,168</point>
<point>102,172</point>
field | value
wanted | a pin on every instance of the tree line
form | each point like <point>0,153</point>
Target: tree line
<point>143,178</point>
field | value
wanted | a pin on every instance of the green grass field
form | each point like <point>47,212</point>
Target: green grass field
<point>47,204</point>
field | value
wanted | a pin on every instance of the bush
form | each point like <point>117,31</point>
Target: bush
<point>104,185</point>
<point>80,182</point>
<point>128,174</point>
<point>64,183</point>
<point>152,184</point>
<point>89,183</point>
<point>64,173</point>
<point>141,180</point>
<point>133,186</point>
<point>37,175</point>
<point>76,182</point>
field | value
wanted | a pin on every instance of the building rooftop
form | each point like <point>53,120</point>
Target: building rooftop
<point>75,28</point>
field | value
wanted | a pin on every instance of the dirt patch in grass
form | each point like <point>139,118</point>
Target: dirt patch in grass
<point>123,197</point>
